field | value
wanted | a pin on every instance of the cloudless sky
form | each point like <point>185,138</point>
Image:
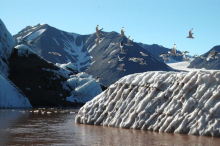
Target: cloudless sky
<point>162,22</point>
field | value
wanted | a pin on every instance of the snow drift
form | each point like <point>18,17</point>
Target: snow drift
<point>173,102</point>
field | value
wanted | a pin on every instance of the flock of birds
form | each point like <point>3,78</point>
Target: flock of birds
<point>99,37</point>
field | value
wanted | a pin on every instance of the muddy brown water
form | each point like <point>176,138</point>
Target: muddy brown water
<point>22,127</point>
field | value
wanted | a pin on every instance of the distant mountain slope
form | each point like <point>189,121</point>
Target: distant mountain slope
<point>44,39</point>
<point>156,50</point>
<point>211,64</point>
<point>85,55</point>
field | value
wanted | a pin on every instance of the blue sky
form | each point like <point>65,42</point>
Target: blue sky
<point>162,22</point>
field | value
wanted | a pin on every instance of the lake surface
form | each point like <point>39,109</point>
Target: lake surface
<point>58,127</point>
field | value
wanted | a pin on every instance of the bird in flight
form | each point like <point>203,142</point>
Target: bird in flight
<point>120,59</point>
<point>211,54</point>
<point>120,67</point>
<point>143,54</point>
<point>122,32</point>
<point>190,34</point>
<point>128,42</point>
<point>54,53</point>
<point>173,53</point>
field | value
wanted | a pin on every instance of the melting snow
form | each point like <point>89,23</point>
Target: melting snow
<point>173,102</point>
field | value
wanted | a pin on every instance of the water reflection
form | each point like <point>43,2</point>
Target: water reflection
<point>30,128</point>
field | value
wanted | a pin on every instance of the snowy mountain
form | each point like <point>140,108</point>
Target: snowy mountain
<point>170,102</point>
<point>202,63</point>
<point>156,50</point>
<point>46,84</point>
<point>55,45</point>
<point>10,95</point>
<point>81,51</point>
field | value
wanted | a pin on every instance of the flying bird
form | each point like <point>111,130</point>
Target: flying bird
<point>128,42</point>
<point>120,59</point>
<point>184,55</point>
<point>54,53</point>
<point>190,34</point>
<point>173,53</point>
<point>111,61</point>
<point>143,62</point>
<point>98,79</point>
<point>211,54</point>
<point>143,54</point>
<point>164,56</point>
<point>97,41</point>
<point>133,59</point>
<point>98,31</point>
<point>120,67</point>
<point>122,32</point>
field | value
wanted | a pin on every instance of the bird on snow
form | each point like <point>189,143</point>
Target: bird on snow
<point>120,67</point>
<point>143,54</point>
<point>128,42</point>
<point>211,54</point>
<point>173,53</point>
<point>120,59</point>
<point>98,31</point>
<point>54,53</point>
<point>122,32</point>
<point>190,34</point>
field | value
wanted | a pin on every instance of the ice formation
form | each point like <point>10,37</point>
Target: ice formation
<point>84,87</point>
<point>11,96</point>
<point>173,102</point>
<point>6,45</point>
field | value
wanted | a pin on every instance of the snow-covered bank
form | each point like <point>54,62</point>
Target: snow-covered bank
<point>171,102</point>
<point>10,96</point>
<point>183,66</point>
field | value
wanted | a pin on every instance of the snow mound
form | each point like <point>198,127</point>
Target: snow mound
<point>84,88</point>
<point>10,96</point>
<point>6,46</point>
<point>173,102</point>
<point>24,51</point>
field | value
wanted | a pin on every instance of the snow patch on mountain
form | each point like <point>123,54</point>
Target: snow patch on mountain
<point>35,34</point>
<point>10,96</point>
<point>173,102</point>
<point>24,51</point>
<point>76,52</point>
